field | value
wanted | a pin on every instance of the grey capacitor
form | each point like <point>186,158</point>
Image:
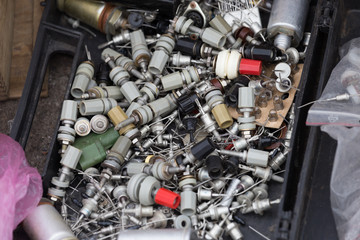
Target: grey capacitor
<point>287,22</point>
<point>96,106</point>
<point>99,124</point>
<point>69,111</point>
<point>130,91</point>
<point>82,127</point>
<point>213,37</point>
<point>163,48</point>
<point>120,149</point>
<point>257,157</point>
<point>246,97</point>
<point>45,223</point>
<point>188,203</point>
<point>71,157</point>
<point>83,76</point>
<point>147,190</point>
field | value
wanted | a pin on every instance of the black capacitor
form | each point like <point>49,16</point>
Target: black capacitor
<point>214,166</point>
<point>104,223</point>
<point>188,47</point>
<point>266,142</point>
<point>186,103</point>
<point>102,75</point>
<point>262,53</point>
<point>77,202</point>
<point>232,164</point>
<point>134,227</point>
<point>203,148</point>
<point>238,219</point>
<point>190,126</point>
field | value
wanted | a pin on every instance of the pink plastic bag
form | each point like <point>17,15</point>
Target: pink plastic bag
<point>20,186</point>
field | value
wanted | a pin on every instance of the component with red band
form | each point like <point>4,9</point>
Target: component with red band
<point>250,67</point>
<point>167,198</point>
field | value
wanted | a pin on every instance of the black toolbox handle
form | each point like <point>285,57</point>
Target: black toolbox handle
<point>47,43</point>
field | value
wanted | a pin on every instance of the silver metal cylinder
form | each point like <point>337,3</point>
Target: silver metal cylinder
<point>45,223</point>
<point>287,21</point>
<point>158,234</point>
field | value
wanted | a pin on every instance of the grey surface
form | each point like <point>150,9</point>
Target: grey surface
<point>47,112</point>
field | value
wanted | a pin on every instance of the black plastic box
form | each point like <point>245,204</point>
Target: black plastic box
<point>305,211</point>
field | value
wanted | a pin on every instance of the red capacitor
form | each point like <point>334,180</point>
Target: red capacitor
<point>250,67</point>
<point>167,198</point>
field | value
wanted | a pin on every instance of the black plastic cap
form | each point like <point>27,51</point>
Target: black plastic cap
<point>214,166</point>
<point>188,47</point>
<point>203,148</point>
<point>232,165</point>
<point>186,103</point>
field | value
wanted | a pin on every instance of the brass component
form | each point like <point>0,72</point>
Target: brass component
<point>117,115</point>
<point>97,14</point>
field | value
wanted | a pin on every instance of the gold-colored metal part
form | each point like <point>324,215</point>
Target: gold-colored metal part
<point>117,115</point>
<point>97,14</point>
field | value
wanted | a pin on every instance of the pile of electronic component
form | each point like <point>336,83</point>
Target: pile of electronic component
<point>168,136</point>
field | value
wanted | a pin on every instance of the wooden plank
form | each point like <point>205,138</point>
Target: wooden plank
<point>37,13</point>
<point>6,37</point>
<point>22,46</point>
<point>26,23</point>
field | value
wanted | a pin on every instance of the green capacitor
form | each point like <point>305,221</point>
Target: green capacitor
<point>94,147</point>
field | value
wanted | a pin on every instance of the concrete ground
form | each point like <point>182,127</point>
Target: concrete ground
<point>46,115</point>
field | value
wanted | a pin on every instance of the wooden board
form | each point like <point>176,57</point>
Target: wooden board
<point>295,76</point>
<point>6,29</point>
<point>26,23</point>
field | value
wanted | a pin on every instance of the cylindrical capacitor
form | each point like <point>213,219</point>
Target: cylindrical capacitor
<point>158,234</point>
<point>163,48</point>
<point>286,22</point>
<point>69,111</point>
<point>84,74</point>
<point>96,106</point>
<point>188,197</point>
<point>99,124</point>
<point>257,157</point>
<point>106,92</point>
<point>102,16</point>
<point>45,223</point>
<point>71,157</point>
<point>140,51</point>
<point>246,97</point>
<point>82,126</point>
<point>179,79</point>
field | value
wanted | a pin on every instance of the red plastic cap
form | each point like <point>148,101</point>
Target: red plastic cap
<point>167,198</point>
<point>250,67</point>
